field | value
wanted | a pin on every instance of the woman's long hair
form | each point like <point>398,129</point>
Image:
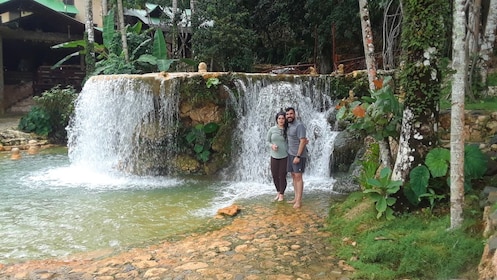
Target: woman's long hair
<point>285,126</point>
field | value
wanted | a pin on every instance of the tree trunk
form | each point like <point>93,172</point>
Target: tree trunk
<point>459,64</point>
<point>174,35</point>
<point>420,79</point>
<point>192,7</point>
<point>488,39</point>
<point>473,44</point>
<point>105,8</point>
<point>367,39</point>
<point>122,28</point>
<point>391,32</point>
<point>90,54</point>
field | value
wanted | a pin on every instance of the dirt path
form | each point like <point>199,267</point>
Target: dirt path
<point>271,241</point>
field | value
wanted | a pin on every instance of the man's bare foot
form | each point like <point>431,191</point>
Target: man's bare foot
<point>296,205</point>
<point>291,201</point>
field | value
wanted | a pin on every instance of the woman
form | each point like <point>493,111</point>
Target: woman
<point>276,137</point>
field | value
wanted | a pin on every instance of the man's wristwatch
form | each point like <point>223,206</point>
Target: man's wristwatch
<point>297,156</point>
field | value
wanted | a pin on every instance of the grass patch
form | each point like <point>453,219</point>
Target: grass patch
<point>486,104</point>
<point>413,246</point>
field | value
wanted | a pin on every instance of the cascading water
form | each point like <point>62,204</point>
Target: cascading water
<point>256,111</point>
<point>104,191</point>
<point>120,119</point>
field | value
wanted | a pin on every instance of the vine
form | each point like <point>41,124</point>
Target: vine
<point>423,44</point>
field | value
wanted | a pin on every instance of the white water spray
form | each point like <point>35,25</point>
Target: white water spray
<point>115,117</point>
<point>256,113</point>
<point>115,121</point>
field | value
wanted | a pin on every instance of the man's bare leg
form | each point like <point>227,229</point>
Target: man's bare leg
<point>293,183</point>
<point>298,185</point>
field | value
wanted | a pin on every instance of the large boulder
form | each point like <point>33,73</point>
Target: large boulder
<point>345,150</point>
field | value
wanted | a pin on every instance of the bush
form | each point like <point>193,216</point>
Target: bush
<point>51,113</point>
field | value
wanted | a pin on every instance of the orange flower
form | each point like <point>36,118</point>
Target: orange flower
<point>359,112</point>
<point>378,83</point>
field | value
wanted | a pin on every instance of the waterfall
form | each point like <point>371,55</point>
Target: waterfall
<point>116,120</point>
<point>256,110</point>
<point>123,119</point>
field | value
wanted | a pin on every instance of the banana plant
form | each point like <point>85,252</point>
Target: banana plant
<point>109,56</point>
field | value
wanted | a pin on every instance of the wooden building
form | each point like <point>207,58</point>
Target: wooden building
<point>29,28</point>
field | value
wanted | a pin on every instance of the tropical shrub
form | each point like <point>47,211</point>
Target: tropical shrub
<point>51,113</point>
<point>432,179</point>
<point>381,191</point>
<point>200,139</point>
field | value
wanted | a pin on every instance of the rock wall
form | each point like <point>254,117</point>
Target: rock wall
<point>479,127</point>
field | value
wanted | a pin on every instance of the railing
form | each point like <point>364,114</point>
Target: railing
<point>66,75</point>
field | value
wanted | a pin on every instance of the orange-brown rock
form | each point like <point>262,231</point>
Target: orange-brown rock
<point>15,153</point>
<point>229,211</point>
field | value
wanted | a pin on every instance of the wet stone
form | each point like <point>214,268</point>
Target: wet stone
<point>266,242</point>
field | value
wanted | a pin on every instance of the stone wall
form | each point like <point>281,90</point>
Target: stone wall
<point>479,127</point>
<point>487,269</point>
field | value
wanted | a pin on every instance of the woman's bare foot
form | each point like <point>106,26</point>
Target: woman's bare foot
<point>277,197</point>
<point>281,197</point>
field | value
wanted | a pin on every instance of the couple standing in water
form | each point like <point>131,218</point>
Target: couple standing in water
<point>287,140</point>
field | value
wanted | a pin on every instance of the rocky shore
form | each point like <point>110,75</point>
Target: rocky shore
<point>269,241</point>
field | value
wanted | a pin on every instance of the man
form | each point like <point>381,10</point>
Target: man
<point>297,154</point>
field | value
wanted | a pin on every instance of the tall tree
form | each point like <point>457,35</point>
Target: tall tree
<point>369,54</point>
<point>122,28</point>
<point>192,7</point>
<point>392,22</point>
<point>367,41</point>
<point>90,38</point>
<point>473,43</point>
<point>105,8</point>
<point>488,38</point>
<point>222,35</point>
<point>459,64</point>
<point>422,47</point>
<point>174,33</point>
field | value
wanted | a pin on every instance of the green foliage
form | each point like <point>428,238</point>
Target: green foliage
<point>486,104</point>
<point>227,42</point>
<point>381,190</point>
<point>475,163</point>
<point>36,121</point>
<point>50,116</point>
<point>212,82</point>
<point>438,161</point>
<point>370,164</point>
<point>147,53</point>
<point>198,91</point>
<point>200,139</point>
<point>423,178</point>
<point>425,28</point>
<point>492,79</point>
<point>383,113</point>
<point>413,246</point>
